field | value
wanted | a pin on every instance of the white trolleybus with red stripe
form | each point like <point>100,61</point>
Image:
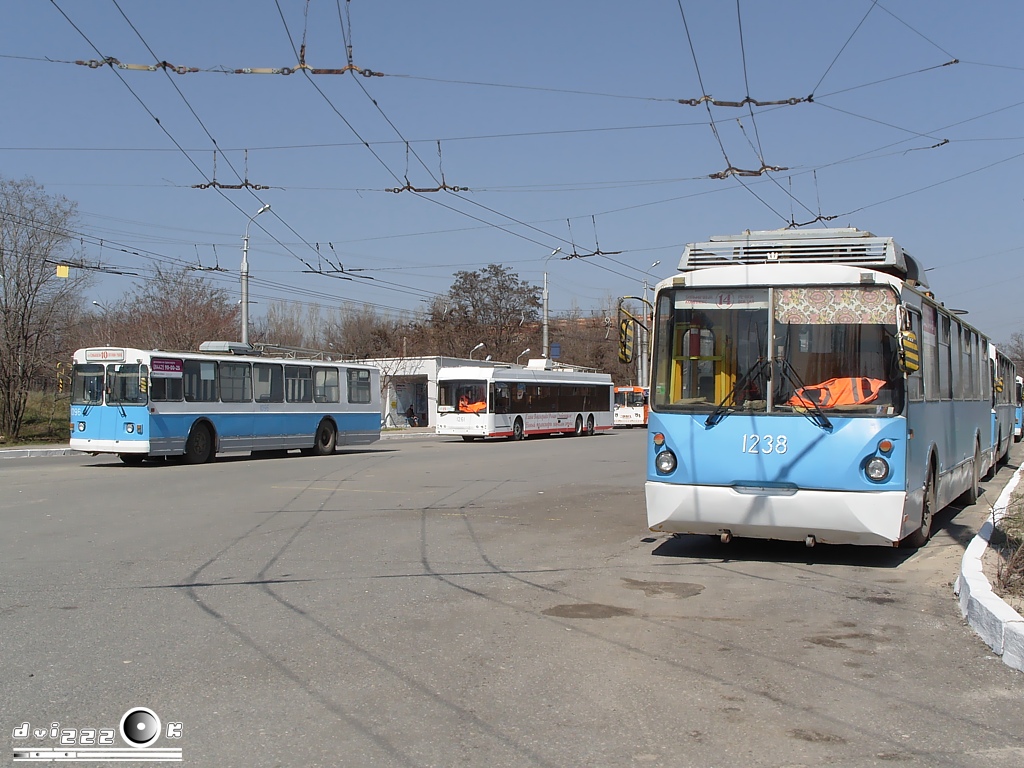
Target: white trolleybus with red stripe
<point>516,402</point>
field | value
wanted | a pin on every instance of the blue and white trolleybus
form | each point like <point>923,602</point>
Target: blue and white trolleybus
<point>807,386</point>
<point>150,403</point>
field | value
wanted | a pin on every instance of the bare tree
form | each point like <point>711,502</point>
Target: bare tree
<point>173,310</point>
<point>492,306</point>
<point>291,324</point>
<point>1014,349</point>
<point>34,233</point>
<point>365,334</point>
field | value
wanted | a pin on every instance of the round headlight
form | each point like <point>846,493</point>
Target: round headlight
<point>877,469</point>
<point>665,462</point>
<point>129,427</point>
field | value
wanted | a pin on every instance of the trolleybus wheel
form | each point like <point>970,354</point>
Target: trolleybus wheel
<point>326,439</point>
<point>469,438</point>
<point>132,459</point>
<point>970,496</point>
<point>199,446</point>
<point>920,537</point>
<point>579,426</point>
<point>590,425</point>
<point>517,430</point>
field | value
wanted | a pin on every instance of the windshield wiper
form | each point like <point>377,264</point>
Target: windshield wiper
<point>721,409</point>
<point>810,408</point>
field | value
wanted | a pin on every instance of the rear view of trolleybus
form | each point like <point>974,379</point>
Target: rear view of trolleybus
<point>807,387</point>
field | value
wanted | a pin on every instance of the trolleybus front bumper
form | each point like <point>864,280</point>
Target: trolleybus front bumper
<point>831,517</point>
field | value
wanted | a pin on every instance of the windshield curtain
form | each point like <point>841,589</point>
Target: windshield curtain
<point>831,349</point>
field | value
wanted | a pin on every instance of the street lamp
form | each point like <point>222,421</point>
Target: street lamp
<point>244,274</point>
<point>474,349</point>
<point>544,341</point>
<point>106,319</point>
<point>521,354</point>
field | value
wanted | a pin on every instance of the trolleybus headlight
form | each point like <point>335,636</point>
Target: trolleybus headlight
<point>665,462</point>
<point>129,428</point>
<point>81,426</point>
<point>877,468</point>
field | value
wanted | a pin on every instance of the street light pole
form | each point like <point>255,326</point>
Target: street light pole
<point>521,354</point>
<point>106,320</point>
<point>244,275</point>
<point>545,347</point>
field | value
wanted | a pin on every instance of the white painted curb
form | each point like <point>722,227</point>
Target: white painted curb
<point>1001,627</point>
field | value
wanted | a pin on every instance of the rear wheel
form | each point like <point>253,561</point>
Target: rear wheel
<point>590,425</point>
<point>199,446</point>
<point>326,439</point>
<point>920,537</point>
<point>970,496</point>
<point>579,426</point>
<point>132,459</point>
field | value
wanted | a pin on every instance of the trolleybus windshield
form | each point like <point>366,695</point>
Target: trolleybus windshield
<point>785,349</point>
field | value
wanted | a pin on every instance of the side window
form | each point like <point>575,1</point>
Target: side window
<point>235,383</point>
<point>298,383</point>
<point>945,360</point>
<point>200,380</point>
<point>915,380</point>
<point>930,349</point>
<point>500,398</point>
<point>268,383</point>
<point>326,385</point>
<point>166,379</point>
<point>959,361</point>
<point>358,385</point>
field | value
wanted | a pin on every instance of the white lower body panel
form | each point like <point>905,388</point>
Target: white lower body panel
<point>831,517</point>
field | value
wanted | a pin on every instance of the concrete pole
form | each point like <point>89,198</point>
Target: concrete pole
<point>244,275</point>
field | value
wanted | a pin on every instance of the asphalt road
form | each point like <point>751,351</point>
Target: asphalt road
<point>428,602</point>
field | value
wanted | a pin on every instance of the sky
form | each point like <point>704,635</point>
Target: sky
<point>465,133</point>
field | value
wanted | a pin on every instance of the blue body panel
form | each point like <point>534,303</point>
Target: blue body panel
<point>105,422</point>
<point>166,433</point>
<point>743,450</point>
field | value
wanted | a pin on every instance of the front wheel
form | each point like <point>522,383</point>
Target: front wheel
<point>469,438</point>
<point>132,459</point>
<point>579,427</point>
<point>920,537</point>
<point>199,446</point>
<point>517,430</point>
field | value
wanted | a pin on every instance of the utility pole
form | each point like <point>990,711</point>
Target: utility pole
<point>244,275</point>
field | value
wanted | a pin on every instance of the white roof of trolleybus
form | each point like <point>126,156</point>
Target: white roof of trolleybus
<point>531,373</point>
<point>844,246</point>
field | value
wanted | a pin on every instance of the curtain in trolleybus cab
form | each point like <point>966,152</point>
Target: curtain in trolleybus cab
<point>842,391</point>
